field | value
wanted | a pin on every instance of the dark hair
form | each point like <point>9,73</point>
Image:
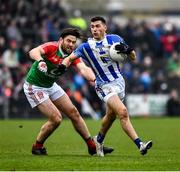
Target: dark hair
<point>98,18</point>
<point>70,31</point>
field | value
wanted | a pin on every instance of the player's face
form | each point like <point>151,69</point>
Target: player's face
<point>98,30</point>
<point>68,44</point>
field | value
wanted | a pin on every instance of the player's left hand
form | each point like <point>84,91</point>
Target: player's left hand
<point>123,48</point>
<point>62,68</point>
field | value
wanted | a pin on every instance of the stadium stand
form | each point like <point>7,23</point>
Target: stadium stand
<point>25,24</point>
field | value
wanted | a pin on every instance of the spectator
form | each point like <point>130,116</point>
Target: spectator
<point>13,32</point>
<point>173,104</point>
<point>160,83</point>
<point>173,65</point>
<point>25,24</point>
<point>11,59</point>
<point>145,81</point>
<point>169,40</point>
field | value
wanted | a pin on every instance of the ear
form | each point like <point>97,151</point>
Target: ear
<point>60,40</point>
<point>105,28</point>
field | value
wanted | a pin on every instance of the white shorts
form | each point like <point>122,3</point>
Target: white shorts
<point>116,87</point>
<point>37,95</point>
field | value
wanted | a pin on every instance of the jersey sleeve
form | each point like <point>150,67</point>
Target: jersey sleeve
<point>115,38</point>
<point>49,47</point>
<point>78,52</point>
<point>75,62</point>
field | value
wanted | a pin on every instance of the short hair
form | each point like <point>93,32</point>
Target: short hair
<point>70,31</point>
<point>98,18</point>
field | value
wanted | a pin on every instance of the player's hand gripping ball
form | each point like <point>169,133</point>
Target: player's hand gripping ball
<point>116,54</point>
<point>42,66</point>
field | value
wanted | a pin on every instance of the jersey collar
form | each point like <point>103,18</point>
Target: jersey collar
<point>61,53</point>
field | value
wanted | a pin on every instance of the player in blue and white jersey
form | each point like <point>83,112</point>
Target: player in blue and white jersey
<point>109,83</point>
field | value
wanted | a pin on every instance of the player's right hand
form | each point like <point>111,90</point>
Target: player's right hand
<point>62,68</point>
<point>42,66</point>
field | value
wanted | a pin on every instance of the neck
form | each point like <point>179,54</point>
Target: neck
<point>99,39</point>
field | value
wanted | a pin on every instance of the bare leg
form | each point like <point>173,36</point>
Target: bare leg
<point>107,121</point>
<point>65,105</point>
<point>48,109</point>
<point>119,108</point>
<point>115,106</point>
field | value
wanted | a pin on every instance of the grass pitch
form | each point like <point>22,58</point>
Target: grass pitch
<point>67,151</point>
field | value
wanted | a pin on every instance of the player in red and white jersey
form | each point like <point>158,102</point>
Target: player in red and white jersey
<point>42,91</point>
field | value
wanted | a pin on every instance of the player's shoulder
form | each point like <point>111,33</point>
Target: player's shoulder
<point>114,37</point>
<point>83,45</point>
<point>51,44</point>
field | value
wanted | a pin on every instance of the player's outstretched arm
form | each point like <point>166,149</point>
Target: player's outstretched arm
<point>66,63</point>
<point>68,60</point>
<point>86,72</point>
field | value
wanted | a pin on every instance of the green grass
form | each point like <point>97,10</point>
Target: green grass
<point>67,151</point>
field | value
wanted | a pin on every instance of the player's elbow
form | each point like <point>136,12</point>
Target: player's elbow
<point>35,53</point>
<point>31,53</point>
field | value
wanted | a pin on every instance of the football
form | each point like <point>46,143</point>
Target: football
<point>119,57</point>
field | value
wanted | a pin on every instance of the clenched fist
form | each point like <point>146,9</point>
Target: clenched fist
<point>42,66</point>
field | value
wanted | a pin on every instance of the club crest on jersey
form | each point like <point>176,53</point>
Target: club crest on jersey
<point>40,95</point>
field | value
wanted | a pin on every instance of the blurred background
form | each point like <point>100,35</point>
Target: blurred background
<point>151,27</point>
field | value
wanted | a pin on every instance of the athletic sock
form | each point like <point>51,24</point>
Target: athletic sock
<point>100,138</point>
<point>137,142</point>
<point>90,143</point>
<point>38,144</point>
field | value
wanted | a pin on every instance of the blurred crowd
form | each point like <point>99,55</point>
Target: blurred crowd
<point>26,24</point>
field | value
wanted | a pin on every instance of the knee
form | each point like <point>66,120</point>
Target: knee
<point>123,114</point>
<point>56,119</point>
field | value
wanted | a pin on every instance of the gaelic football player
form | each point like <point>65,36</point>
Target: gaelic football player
<point>42,91</point>
<point>110,85</point>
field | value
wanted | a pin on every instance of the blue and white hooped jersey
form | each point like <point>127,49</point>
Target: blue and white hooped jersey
<point>96,55</point>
